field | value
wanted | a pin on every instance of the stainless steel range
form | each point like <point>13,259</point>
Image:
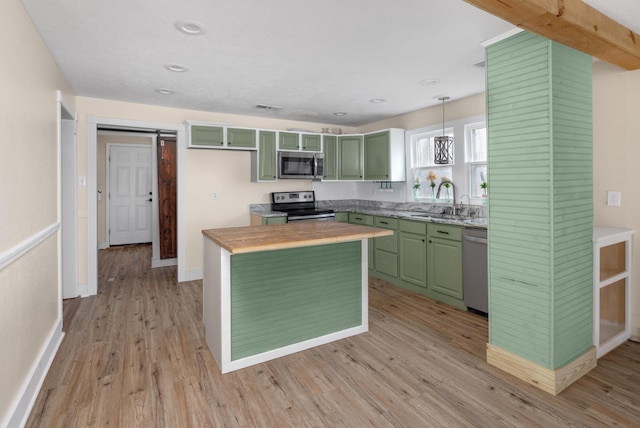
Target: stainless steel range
<point>300,206</point>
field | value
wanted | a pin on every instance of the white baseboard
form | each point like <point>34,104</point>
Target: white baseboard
<point>155,263</point>
<point>22,405</point>
<point>193,274</point>
<point>83,290</point>
<point>103,245</point>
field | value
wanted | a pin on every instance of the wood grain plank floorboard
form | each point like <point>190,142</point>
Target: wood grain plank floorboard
<point>135,355</point>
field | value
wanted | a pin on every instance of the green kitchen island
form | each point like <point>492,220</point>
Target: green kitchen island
<point>270,291</point>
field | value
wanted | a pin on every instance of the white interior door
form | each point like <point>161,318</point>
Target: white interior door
<point>129,194</point>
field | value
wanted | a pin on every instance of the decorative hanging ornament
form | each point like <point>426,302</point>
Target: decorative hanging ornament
<point>443,146</point>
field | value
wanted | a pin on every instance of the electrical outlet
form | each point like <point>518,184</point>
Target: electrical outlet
<point>613,199</point>
<point>214,196</point>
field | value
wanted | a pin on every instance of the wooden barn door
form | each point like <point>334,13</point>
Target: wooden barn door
<point>167,200</point>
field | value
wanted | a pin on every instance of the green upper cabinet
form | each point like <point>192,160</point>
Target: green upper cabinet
<point>241,138</point>
<point>265,165</point>
<point>350,157</point>
<point>330,150</point>
<point>207,136</point>
<point>311,142</point>
<point>444,260</point>
<point>288,141</point>
<point>384,156</point>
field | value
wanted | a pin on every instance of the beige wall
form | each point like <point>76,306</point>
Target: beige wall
<point>223,171</point>
<point>616,154</point>
<point>462,108</point>
<point>29,289</point>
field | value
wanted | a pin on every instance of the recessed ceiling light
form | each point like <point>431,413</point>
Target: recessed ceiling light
<point>164,91</point>
<point>193,28</point>
<point>430,82</point>
<point>340,113</point>
<point>377,100</point>
<point>176,68</point>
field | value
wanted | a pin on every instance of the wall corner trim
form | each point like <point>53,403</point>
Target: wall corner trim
<point>551,381</point>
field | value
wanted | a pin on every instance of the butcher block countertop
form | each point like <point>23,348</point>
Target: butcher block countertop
<point>238,240</point>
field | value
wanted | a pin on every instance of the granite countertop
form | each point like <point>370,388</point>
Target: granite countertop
<point>248,239</point>
<point>431,213</point>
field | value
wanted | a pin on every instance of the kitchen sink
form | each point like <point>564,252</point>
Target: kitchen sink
<point>431,215</point>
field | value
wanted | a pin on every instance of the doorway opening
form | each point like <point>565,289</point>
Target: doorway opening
<point>137,191</point>
<point>156,132</point>
<point>67,205</point>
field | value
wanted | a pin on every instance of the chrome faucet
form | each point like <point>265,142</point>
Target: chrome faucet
<point>468,205</point>
<point>453,205</point>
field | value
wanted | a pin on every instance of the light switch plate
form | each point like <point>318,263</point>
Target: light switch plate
<point>613,198</point>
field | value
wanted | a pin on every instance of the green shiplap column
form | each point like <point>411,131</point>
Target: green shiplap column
<point>541,205</point>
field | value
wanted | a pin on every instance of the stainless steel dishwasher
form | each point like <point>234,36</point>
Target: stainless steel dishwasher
<point>474,269</point>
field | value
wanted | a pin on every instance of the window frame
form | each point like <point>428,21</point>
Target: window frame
<point>469,164</point>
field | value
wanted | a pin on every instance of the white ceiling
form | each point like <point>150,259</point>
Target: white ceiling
<point>312,58</point>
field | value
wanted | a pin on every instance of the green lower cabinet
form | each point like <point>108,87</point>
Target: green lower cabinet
<point>365,220</point>
<point>274,220</point>
<point>444,261</point>
<point>386,247</point>
<point>412,250</point>
<point>342,217</point>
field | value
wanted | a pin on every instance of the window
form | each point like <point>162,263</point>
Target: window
<point>467,173</point>
<point>422,151</point>
<point>476,158</point>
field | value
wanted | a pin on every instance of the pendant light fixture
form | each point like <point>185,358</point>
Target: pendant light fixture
<point>443,146</point>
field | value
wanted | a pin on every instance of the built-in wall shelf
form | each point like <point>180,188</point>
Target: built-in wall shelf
<point>612,288</point>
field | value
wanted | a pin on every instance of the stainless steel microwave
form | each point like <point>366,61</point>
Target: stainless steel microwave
<point>300,165</point>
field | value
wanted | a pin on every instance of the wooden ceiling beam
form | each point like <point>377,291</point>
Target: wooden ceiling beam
<point>572,23</point>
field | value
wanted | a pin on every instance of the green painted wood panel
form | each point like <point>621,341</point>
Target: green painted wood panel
<point>283,297</point>
<point>540,218</point>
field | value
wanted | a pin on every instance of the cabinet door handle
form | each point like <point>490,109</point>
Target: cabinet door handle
<point>423,240</point>
<point>443,232</point>
<point>384,222</point>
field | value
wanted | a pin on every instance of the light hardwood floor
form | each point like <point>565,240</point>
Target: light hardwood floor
<point>135,356</point>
